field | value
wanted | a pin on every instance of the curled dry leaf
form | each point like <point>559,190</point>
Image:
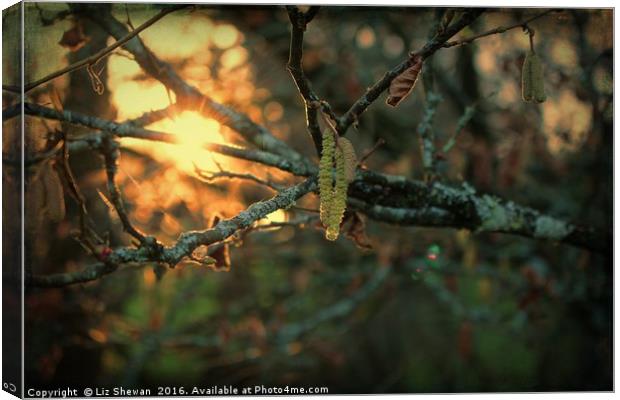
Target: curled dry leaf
<point>74,39</point>
<point>222,258</point>
<point>55,98</point>
<point>404,83</point>
<point>356,232</point>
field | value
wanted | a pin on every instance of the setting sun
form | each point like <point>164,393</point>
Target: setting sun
<point>193,131</point>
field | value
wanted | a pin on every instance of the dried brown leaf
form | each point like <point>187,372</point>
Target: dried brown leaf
<point>356,232</point>
<point>222,258</point>
<point>55,97</point>
<point>404,83</point>
<point>74,39</point>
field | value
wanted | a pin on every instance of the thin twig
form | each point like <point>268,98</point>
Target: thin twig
<point>468,114</point>
<point>188,96</point>
<point>293,331</point>
<point>294,66</point>
<point>500,29</point>
<point>296,223</point>
<point>352,115</point>
<point>207,176</point>
<point>150,251</point>
<point>427,136</point>
<point>392,194</point>
<point>87,237</point>
<point>109,151</point>
<point>370,151</point>
<point>93,59</point>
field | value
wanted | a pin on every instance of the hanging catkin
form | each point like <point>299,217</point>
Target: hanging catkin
<point>339,199</point>
<point>532,79</point>
<point>334,182</point>
<point>325,174</point>
<point>350,158</point>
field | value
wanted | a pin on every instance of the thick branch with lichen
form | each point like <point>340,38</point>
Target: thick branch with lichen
<point>395,199</point>
<point>391,199</point>
<point>468,209</point>
<point>151,251</point>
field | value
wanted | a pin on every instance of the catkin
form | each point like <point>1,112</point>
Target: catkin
<point>333,183</point>
<point>350,158</point>
<point>532,79</point>
<point>339,200</point>
<point>325,174</point>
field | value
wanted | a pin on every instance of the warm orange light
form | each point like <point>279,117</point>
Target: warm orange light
<point>214,61</point>
<point>135,98</point>
<point>193,132</point>
<point>149,277</point>
<point>225,36</point>
<point>365,37</point>
<point>275,217</point>
<point>566,121</point>
<point>234,57</point>
<point>97,335</point>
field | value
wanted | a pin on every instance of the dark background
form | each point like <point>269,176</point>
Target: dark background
<point>427,310</point>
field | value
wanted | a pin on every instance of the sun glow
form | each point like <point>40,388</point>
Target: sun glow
<point>193,132</point>
<point>133,95</point>
<point>215,62</point>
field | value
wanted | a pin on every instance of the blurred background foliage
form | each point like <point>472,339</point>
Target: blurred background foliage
<point>427,310</point>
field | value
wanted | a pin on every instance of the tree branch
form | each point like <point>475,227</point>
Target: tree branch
<point>478,212</point>
<point>187,242</point>
<point>109,151</point>
<point>379,87</point>
<point>88,274</point>
<point>294,331</point>
<point>189,97</point>
<point>300,167</point>
<point>466,208</point>
<point>294,66</point>
<point>427,135</point>
<point>500,29</point>
<point>209,177</point>
<point>93,59</point>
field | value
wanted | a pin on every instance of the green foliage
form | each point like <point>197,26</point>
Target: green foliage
<point>512,361</point>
